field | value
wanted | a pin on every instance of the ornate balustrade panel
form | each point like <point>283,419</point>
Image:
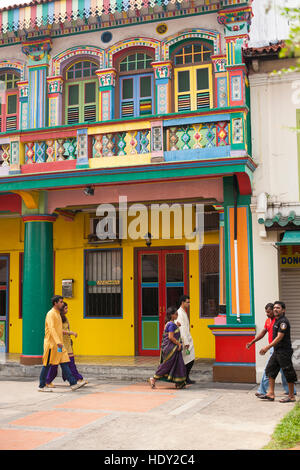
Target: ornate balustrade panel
<point>51,150</point>
<point>4,155</point>
<point>196,140</point>
<point>121,144</point>
<point>197,136</point>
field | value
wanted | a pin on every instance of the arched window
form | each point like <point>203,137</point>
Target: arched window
<point>193,76</point>
<point>136,84</point>
<point>81,93</point>
<point>9,103</point>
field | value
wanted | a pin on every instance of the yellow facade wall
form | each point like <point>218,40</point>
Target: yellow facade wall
<point>116,162</point>
<point>98,336</point>
<point>12,236</point>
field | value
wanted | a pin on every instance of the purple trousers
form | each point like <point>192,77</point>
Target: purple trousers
<point>53,371</point>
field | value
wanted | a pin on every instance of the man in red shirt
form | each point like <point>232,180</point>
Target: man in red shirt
<point>268,328</point>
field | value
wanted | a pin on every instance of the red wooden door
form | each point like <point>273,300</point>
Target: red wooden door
<point>162,279</point>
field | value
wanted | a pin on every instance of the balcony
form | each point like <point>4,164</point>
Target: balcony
<point>183,137</point>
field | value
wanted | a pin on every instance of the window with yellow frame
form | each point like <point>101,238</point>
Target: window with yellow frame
<point>81,93</point>
<point>193,83</point>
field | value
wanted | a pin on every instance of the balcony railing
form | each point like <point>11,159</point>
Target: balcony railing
<point>51,150</point>
<point>171,138</point>
<point>197,136</point>
<point>4,155</point>
<point>121,144</point>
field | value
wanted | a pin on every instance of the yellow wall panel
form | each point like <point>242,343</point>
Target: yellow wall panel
<point>139,159</point>
<point>15,323</point>
<point>11,235</point>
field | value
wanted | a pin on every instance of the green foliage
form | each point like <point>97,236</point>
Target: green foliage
<point>287,432</point>
<point>292,44</point>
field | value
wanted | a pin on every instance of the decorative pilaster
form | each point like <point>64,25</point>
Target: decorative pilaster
<point>55,89</point>
<point>221,81</point>
<point>38,285</point>
<point>83,148</point>
<point>237,25</point>
<point>162,74</point>
<point>238,136</point>
<point>16,156</point>
<point>37,52</point>
<point>23,104</point>
<point>157,142</point>
<point>107,82</point>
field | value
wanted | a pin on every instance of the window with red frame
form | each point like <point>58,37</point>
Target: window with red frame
<point>9,103</point>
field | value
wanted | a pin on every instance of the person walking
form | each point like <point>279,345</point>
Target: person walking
<point>268,328</point>
<point>171,368</point>
<point>68,344</point>
<point>54,351</point>
<point>282,355</point>
<point>188,351</point>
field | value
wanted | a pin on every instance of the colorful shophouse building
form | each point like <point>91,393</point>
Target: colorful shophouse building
<point>128,104</point>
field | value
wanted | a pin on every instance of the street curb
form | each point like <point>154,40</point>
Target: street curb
<point>101,371</point>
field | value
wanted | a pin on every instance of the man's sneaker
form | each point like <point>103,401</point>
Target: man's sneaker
<point>78,385</point>
<point>50,385</point>
<point>45,389</point>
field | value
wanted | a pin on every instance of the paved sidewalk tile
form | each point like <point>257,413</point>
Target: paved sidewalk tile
<point>21,439</point>
<point>128,402</point>
<point>160,388</point>
<point>58,419</point>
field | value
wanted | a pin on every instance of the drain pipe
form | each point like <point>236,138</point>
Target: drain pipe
<point>236,266</point>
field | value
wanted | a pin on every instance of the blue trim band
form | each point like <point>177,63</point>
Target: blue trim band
<point>196,120</point>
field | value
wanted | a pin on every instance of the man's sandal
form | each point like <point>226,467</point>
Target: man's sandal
<point>267,397</point>
<point>287,400</point>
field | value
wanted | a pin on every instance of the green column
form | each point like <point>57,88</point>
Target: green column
<point>38,287</point>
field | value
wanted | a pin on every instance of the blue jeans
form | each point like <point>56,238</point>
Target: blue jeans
<point>65,370</point>
<point>264,384</point>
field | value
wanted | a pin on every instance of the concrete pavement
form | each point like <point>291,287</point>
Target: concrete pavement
<point>127,415</point>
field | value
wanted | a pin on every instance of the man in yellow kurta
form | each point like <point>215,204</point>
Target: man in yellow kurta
<point>54,350</point>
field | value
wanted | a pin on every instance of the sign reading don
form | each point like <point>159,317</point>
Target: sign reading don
<point>290,256</point>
